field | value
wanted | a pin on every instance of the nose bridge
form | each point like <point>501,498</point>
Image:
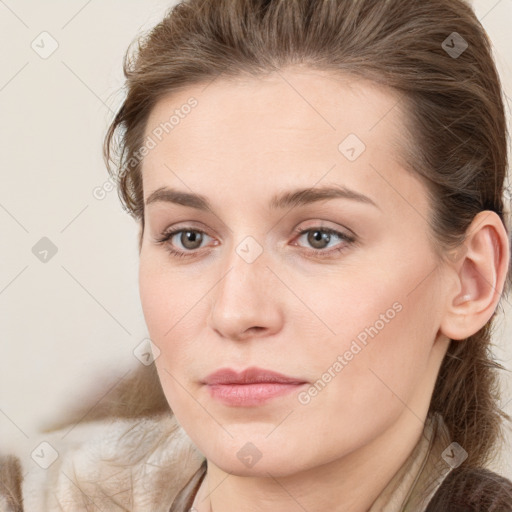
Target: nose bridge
<point>242,301</point>
<point>245,271</point>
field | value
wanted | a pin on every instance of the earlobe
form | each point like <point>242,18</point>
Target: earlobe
<point>479,277</point>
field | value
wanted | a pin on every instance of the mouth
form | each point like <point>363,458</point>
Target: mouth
<point>251,387</point>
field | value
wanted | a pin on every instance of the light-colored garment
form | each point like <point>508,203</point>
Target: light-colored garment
<point>414,484</point>
<point>141,465</point>
<point>112,465</point>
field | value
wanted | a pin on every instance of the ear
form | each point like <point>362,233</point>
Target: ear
<point>479,269</point>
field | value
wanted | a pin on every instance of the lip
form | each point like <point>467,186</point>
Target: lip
<point>251,387</point>
<point>251,375</point>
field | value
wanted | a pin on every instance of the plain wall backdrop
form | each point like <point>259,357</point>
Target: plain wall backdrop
<point>76,316</point>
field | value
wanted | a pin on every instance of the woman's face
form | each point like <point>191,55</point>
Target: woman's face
<point>349,309</point>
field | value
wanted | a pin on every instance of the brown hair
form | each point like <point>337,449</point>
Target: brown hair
<point>457,142</point>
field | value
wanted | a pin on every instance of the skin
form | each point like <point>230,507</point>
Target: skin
<point>291,311</point>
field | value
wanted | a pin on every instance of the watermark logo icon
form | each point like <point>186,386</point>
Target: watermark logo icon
<point>44,45</point>
<point>249,249</point>
<point>454,45</point>
<point>456,254</point>
<point>146,352</point>
<point>249,454</point>
<point>454,455</point>
<point>352,147</point>
<point>44,455</point>
<point>44,250</point>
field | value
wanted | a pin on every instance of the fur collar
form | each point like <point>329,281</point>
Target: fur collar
<point>113,465</point>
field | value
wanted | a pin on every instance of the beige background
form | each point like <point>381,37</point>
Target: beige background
<point>77,316</point>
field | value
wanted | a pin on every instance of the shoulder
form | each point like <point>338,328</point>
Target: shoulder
<point>473,490</point>
<point>108,464</point>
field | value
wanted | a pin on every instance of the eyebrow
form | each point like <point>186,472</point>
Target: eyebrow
<point>289,199</point>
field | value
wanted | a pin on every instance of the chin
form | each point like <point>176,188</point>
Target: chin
<point>258,459</point>
<point>263,468</point>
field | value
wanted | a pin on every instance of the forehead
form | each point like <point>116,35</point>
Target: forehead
<point>318,104</point>
<point>294,126</point>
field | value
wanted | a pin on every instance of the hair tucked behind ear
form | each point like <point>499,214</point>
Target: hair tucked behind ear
<point>455,139</point>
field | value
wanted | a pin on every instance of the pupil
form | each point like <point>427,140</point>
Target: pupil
<point>191,236</point>
<point>317,237</point>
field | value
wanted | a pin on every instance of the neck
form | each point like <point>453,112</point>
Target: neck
<point>340,485</point>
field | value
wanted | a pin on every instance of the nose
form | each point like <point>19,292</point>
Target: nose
<point>246,302</point>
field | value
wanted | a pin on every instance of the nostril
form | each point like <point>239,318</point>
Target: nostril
<point>255,329</point>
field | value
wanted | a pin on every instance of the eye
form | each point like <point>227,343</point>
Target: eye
<point>186,242</point>
<point>190,240</point>
<point>319,238</point>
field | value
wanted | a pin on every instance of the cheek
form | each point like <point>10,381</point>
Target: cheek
<point>169,317</point>
<point>165,295</point>
<point>173,305</point>
<point>379,354</point>
<point>154,298</point>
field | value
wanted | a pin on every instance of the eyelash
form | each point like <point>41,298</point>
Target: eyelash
<point>348,239</point>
